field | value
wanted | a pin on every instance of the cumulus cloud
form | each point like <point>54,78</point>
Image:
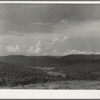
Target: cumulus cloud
<point>77,52</point>
<point>69,52</point>
<point>49,45</point>
<point>54,40</point>
<point>12,48</point>
<point>36,49</point>
<point>97,53</point>
<point>38,44</point>
<point>65,38</point>
<point>31,50</point>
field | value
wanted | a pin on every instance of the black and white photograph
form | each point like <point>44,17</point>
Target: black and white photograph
<point>49,46</point>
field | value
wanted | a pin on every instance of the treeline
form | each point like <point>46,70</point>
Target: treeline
<point>81,71</point>
<point>89,75</point>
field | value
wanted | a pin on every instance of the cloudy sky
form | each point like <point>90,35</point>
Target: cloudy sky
<point>49,29</point>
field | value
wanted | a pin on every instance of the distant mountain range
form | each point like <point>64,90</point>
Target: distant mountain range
<point>50,60</point>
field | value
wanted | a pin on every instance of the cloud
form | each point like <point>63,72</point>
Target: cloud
<point>16,33</point>
<point>36,49</point>
<point>97,53</point>
<point>40,23</point>
<point>65,38</point>
<point>31,50</point>
<point>86,28</point>
<point>38,44</point>
<point>45,53</point>
<point>69,52</point>
<point>49,45</point>
<point>77,52</point>
<point>44,16</point>
<point>54,40</point>
<point>55,52</point>
<point>13,49</point>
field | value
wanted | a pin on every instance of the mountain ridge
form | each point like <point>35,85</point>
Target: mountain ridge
<point>50,60</point>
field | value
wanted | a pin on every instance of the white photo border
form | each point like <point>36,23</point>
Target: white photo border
<point>49,94</point>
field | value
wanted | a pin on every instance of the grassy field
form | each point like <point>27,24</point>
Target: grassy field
<point>68,85</point>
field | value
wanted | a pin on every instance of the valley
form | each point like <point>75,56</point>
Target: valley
<point>50,72</point>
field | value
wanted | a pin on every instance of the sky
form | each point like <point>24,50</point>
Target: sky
<point>49,29</point>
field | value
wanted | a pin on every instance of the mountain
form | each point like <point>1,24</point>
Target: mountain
<point>80,58</point>
<point>50,60</point>
<point>29,60</point>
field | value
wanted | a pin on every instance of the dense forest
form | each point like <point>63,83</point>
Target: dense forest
<point>11,75</point>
